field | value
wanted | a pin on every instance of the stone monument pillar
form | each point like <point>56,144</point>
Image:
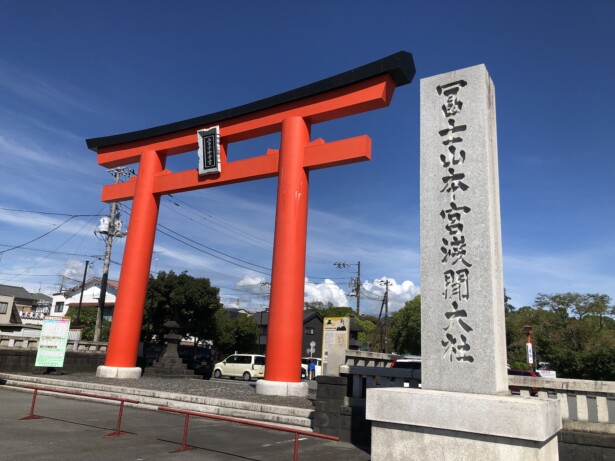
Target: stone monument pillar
<point>464,409</point>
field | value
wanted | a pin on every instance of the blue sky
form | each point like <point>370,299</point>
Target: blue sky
<point>72,70</point>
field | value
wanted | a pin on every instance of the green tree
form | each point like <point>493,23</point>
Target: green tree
<point>573,332</point>
<point>405,328</point>
<point>234,334</point>
<point>507,306</point>
<point>368,325</point>
<point>577,304</point>
<point>338,312</point>
<point>317,306</point>
<point>87,317</point>
<point>190,301</point>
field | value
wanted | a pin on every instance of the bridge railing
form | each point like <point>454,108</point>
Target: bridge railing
<point>586,405</point>
<point>31,343</point>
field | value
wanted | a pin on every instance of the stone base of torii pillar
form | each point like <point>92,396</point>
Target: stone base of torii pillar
<point>104,371</point>
<point>286,389</point>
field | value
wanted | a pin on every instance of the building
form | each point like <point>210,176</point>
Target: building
<point>312,331</point>
<point>91,293</point>
<point>20,314</point>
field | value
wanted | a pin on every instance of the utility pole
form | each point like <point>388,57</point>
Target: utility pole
<point>85,273</point>
<point>111,233</point>
<point>386,283</point>
<point>356,286</point>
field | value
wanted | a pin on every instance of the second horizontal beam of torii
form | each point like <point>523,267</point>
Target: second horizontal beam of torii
<point>318,154</point>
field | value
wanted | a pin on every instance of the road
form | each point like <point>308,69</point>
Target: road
<point>73,430</point>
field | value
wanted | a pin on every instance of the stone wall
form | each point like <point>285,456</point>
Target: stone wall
<point>16,360</point>
<point>582,445</point>
<point>335,416</point>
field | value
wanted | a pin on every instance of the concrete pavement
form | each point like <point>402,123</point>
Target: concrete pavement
<point>74,430</point>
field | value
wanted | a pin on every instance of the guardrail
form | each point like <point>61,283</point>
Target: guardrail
<point>587,406</point>
<point>187,413</point>
<point>117,432</point>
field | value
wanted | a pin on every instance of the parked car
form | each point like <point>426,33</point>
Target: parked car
<point>199,359</point>
<point>246,366</point>
<point>305,362</point>
<point>412,363</point>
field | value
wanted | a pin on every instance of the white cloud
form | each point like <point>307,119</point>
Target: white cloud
<point>399,294</point>
<point>325,292</point>
<point>254,284</point>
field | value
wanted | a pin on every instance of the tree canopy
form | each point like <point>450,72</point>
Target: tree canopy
<point>573,332</point>
<point>192,302</point>
<point>405,328</point>
<point>235,334</point>
<point>87,318</point>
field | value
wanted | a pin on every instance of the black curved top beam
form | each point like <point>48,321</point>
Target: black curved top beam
<point>399,65</point>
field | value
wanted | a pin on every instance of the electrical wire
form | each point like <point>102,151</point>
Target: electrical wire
<point>39,237</point>
<point>229,227</point>
<point>50,213</point>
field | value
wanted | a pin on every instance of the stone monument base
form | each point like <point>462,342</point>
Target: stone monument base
<point>416,424</point>
<point>282,388</point>
<point>118,372</point>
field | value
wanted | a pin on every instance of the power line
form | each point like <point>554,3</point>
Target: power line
<point>224,255</point>
<point>234,229</point>
<point>50,213</point>
<point>62,253</point>
<point>212,249</point>
<point>39,237</point>
<point>241,235</point>
<point>211,254</point>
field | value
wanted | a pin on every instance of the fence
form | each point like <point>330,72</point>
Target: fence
<point>31,343</point>
<point>187,414</point>
<point>587,406</point>
<point>122,400</point>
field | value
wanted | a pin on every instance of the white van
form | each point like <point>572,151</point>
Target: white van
<point>246,366</point>
<point>305,363</point>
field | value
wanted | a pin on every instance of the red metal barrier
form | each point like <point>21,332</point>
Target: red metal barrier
<point>117,432</point>
<point>185,447</point>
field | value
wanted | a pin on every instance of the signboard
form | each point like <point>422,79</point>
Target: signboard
<point>52,343</point>
<point>550,374</point>
<point>209,150</point>
<point>335,338</point>
<point>530,353</point>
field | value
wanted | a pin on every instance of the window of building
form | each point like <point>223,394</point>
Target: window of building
<point>309,331</point>
<point>59,306</point>
<point>4,307</point>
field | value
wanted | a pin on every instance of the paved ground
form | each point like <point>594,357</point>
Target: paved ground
<point>74,430</point>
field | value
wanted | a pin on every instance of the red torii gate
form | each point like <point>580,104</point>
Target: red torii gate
<point>292,113</point>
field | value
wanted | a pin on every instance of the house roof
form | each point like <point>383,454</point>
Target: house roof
<point>42,297</point>
<point>262,318</point>
<point>16,292</point>
<point>233,312</point>
<point>93,281</point>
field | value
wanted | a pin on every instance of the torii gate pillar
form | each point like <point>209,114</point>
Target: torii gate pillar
<point>285,330</point>
<point>292,113</point>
